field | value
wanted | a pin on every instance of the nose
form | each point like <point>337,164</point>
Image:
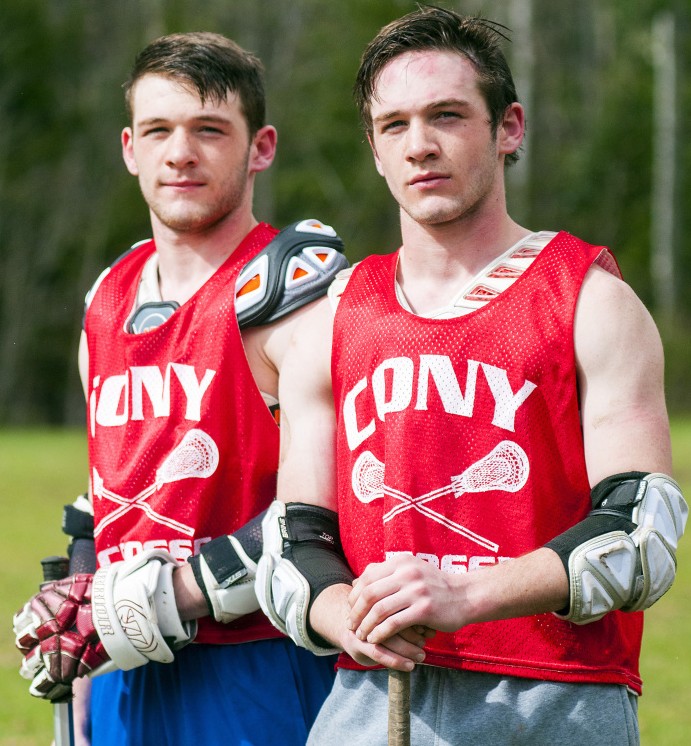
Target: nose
<point>420,142</point>
<point>181,152</point>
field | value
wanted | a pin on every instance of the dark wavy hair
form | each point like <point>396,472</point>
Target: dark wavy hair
<point>431,27</point>
<point>211,64</point>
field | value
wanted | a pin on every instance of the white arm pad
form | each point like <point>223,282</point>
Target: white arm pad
<point>630,571</point>
<point>283,592</point>
<point>661,517</point>
<point>134,610</point>
<point>234,597</point>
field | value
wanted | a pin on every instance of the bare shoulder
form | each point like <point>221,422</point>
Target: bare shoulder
<point>620,369</point>
<point>271,342</point>
<point>610,317</point>
<point>311,337</point>
<point>606,289</point>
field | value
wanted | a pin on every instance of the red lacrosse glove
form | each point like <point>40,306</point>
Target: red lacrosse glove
<point>55,633</point>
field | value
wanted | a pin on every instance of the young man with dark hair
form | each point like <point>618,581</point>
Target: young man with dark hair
<point>184,337</point>
<point>484,417</point>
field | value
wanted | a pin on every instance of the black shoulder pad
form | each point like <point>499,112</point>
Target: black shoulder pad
<point>294,269</point>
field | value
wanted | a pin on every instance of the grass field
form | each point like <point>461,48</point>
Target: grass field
<point>41,470</point>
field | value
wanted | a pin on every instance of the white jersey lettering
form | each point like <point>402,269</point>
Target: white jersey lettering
<point>441,370</point>
<point>158,390</point>
<point>354,435</point>
<point>401,388</point>
<point>111,409</point>
<point>453,563</point>
<point>117,399</point>
<point>193,388</point>
<point>180,549</point>
<point>395,387</point>
<point>506,403</point>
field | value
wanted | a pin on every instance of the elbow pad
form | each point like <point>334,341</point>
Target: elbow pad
<point>622,555</point>
<point>302,556</point>
<point>225,569</point>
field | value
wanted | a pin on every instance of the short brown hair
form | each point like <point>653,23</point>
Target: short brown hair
<point>212,64</point>
<point>431,27</point>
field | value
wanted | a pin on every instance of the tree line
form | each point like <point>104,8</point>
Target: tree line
<point>605,84</point>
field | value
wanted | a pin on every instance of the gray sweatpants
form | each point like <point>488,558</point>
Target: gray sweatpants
<point>464,708</point>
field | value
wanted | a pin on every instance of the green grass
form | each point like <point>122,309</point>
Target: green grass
<point>665,715</point>
<point>41,470</point>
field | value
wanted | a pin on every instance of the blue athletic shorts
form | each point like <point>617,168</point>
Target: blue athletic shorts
<point>253,694</point>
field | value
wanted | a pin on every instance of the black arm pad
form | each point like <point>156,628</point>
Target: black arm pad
<point>223,560</point>
<point>312,543</point>
<point>613,500</point>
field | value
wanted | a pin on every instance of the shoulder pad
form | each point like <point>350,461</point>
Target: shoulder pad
<point>295,268</point>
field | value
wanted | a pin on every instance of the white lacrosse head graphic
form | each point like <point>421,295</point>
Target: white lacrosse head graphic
<point>196,456</point>
<point>368,477</point>
<point>505,467</point>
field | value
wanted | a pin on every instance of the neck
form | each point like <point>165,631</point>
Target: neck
<point>187,259</point>
<point>438,260</point>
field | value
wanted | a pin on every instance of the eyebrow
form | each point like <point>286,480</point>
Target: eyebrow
<point>435,105</point>
<point>202,118</point>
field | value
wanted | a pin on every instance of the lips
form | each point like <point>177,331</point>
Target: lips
<point>183,184</point>
<point>429,179</point>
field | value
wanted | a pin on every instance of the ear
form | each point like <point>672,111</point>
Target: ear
<point>262,149</point>
<point>511,129</point>
<point>127,139</point>
<point>377,162</point>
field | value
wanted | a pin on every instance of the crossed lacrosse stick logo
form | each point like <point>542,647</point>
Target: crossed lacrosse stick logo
<point>505,467</point>
<point>195,456</point>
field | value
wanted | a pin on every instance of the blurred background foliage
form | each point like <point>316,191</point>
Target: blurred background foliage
<point>606,85</point>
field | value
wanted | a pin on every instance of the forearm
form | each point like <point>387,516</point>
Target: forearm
<point>329,614</point>
<point>189,598</point>
<point>532,584</point>
<point>406,592</point>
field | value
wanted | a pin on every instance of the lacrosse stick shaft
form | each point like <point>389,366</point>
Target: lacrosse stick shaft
<point>399,708</point>
<point>56,568</point>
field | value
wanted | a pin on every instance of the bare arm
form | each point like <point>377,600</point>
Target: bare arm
<point>83,362</point>
<point>625,428</point>
<point>307,470</point>
<point>307,474</point>
<point>620,379</point>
